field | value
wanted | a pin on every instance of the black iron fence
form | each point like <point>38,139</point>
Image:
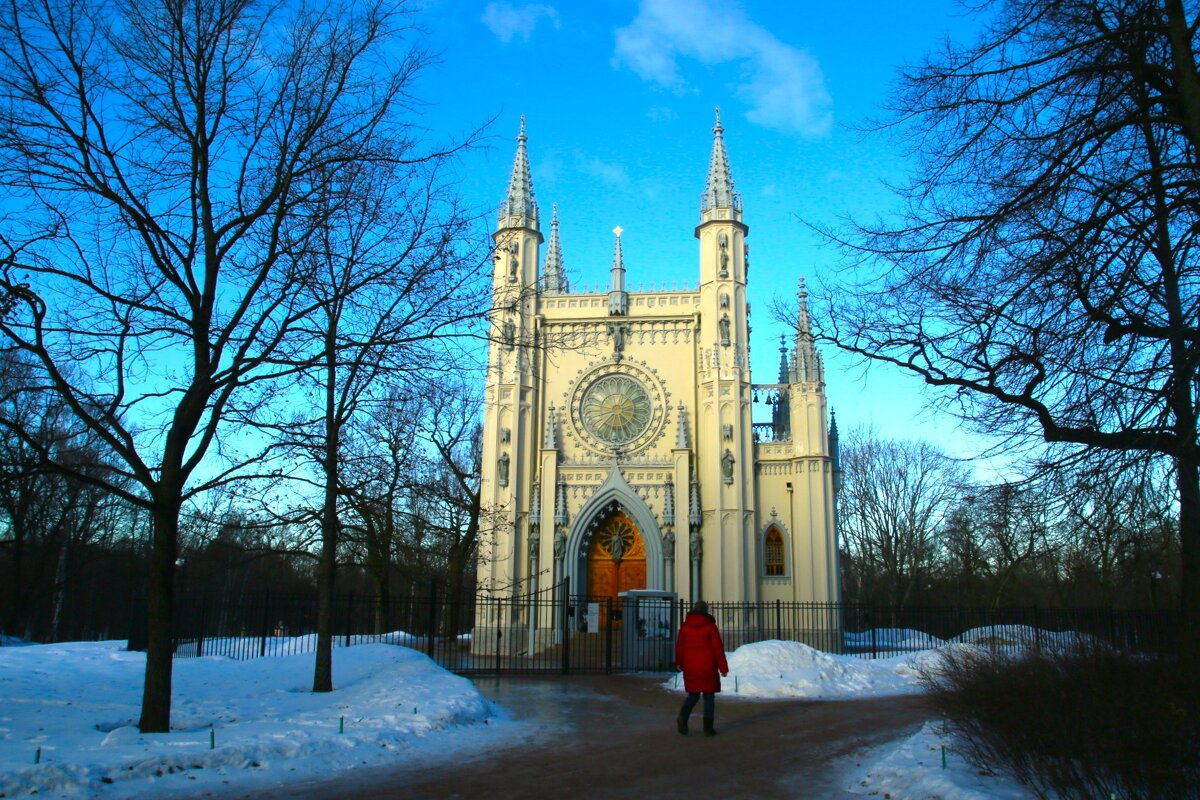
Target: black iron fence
<point>553,631</point>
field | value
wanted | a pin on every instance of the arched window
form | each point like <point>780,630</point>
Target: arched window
<point>773,552</point>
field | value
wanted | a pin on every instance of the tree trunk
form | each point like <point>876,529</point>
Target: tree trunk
<point>327,566</point>
<point>1188,472</point>
<point>156,692</point>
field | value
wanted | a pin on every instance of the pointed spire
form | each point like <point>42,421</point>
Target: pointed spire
<point>718,192</point>
<point>618,299</point>
<point>535,506</point>
<point>806,362</point>
<point>519,209</point>
<point>553,277</point>
<point>560,504</point>
<point>835,453</point>
<point>783,359</point>
<point>669,503</point>
<point>803,323</point>
<point>681,429</point>
<point>695,518</point>
<point>551,429</point>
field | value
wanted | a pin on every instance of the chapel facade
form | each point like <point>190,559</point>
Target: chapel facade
<point>619,448</point>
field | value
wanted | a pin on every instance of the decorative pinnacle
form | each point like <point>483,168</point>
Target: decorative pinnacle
<point>618,300</point>
<point>803,324</point>
<point>718,192</point>
<point>807,365</point>
<point>520,202</point>
<point>555,278</point>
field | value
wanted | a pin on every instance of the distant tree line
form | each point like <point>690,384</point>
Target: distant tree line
<point>74,558</point>
<point>918,528</point>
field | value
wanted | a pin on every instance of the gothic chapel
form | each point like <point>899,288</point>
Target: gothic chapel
<point>619,451</point>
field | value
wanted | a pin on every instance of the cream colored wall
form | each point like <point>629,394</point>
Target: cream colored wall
<point>674,345</point>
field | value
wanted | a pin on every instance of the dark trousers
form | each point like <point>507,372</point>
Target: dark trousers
<point>710,704</point>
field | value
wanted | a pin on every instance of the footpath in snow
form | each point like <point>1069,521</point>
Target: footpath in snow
<point>68,716</point>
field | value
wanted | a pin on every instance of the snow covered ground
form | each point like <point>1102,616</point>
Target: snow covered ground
<point>68,716</point>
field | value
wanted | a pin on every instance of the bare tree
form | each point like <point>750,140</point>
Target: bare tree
<point>394,274</point>
<point>168,160</point>
<point>894,497</point>
<point>1118,532</point>
<point>1045,268</point>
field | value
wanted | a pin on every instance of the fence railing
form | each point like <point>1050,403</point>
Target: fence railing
<point>553,631</point>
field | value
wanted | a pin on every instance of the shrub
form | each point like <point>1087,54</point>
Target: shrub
<point>1084,723</point>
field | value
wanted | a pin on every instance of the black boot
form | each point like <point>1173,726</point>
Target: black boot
<point>681,724</point>
<point>708,727</point>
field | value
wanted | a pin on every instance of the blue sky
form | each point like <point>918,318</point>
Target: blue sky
<point>618,97</point>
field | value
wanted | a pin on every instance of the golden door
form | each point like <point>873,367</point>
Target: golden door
<point>616,561</point>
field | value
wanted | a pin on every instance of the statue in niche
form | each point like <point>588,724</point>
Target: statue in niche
<point>616,546</point>
<point>534,542</point>
<point>513,249</point>
<point>560,544</point>
<point>727,466</point>
<point>510,333</point>
<point>723,325</point>
<point>502,468</point>
<point>697,545</point>
<point>618,332</point>
<point>669,543</point>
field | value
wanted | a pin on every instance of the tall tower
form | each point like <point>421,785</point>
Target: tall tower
<point>509,429</point>
<point>724,434</point>
<point>814,464</point>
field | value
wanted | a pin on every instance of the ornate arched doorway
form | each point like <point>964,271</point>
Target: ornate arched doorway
<point>616,560</point>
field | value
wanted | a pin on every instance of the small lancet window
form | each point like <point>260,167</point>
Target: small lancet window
<point>774,552</point>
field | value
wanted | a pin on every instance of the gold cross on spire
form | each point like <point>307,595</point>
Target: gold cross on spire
<point>618,230</point>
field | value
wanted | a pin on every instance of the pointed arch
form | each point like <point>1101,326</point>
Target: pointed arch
<point>614,494</point>
<point>773,550</point>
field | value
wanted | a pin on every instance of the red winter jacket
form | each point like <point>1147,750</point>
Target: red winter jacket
<point>700,653</point>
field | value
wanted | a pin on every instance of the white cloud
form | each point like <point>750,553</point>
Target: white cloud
<point>783,86</point>
<point>608,174</point>
<point>508,21</point>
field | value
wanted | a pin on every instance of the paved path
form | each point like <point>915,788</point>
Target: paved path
<point>614,737</point>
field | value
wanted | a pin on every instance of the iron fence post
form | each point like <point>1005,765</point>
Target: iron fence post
<point>266,622</point>
<point>203,626</point>
<point>432,616</point>
<point>564,595</point>
<point>608,634</point>
<point>499,632</point>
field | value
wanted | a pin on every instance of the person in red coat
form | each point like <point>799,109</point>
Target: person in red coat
<point>700,654</point>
